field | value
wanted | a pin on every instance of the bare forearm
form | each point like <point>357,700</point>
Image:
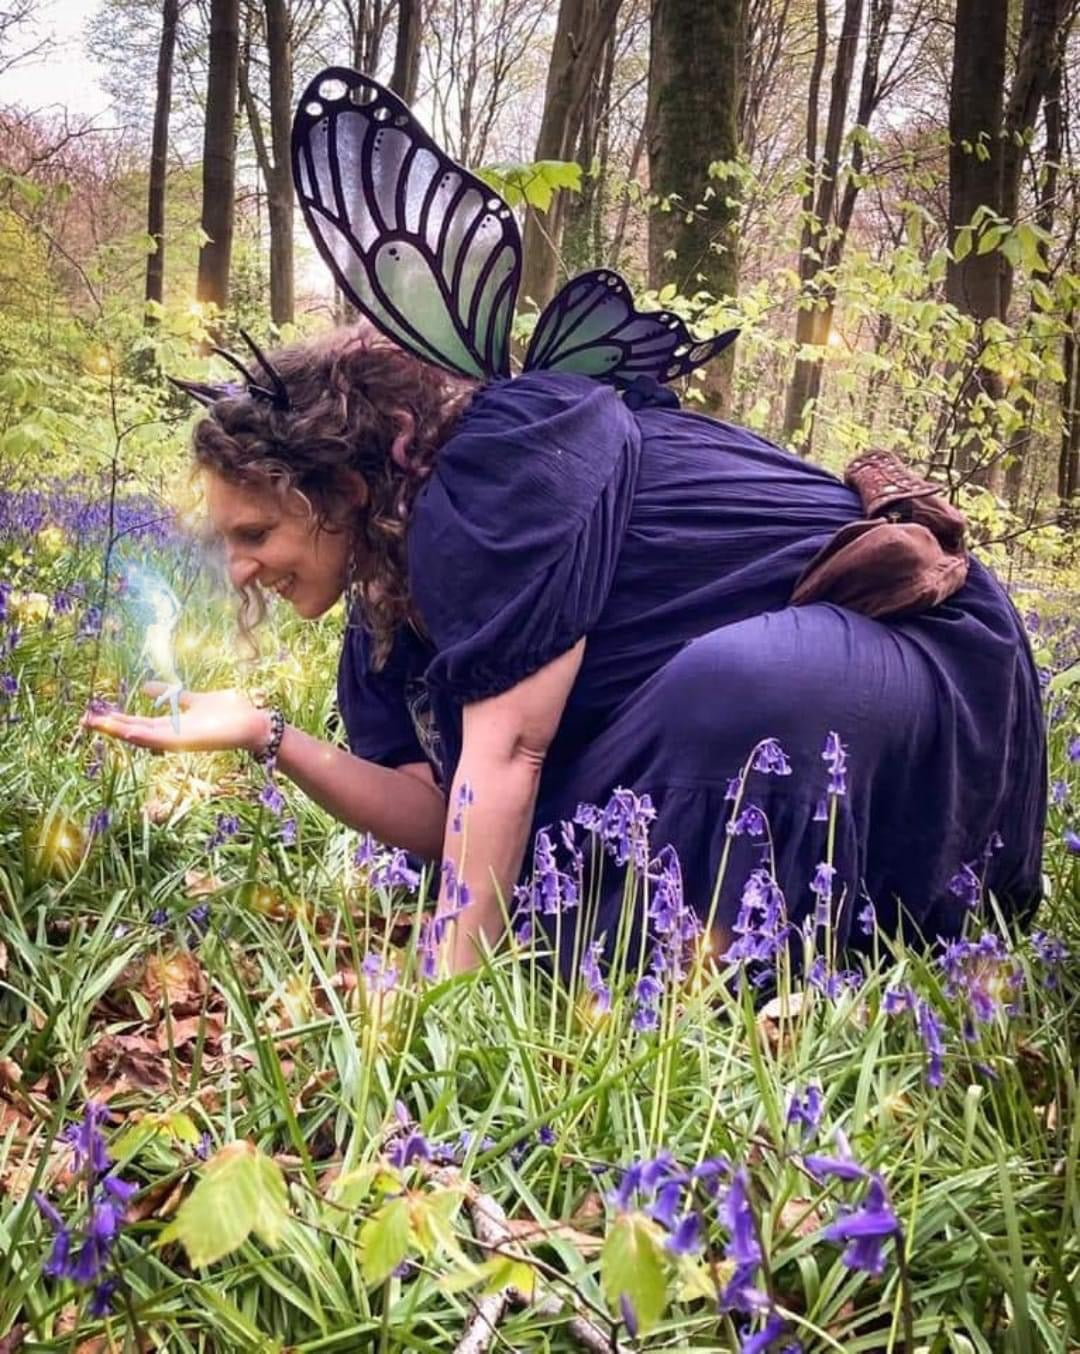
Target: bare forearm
<point>394,807</point>
<point>489,851</point>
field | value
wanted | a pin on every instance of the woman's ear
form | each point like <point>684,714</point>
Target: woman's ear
<point>404,431</point>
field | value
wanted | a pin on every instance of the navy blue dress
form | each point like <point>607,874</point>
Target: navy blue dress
<point>672,541</point>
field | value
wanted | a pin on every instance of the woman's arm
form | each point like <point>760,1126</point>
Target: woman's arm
<point>401,808</point>
<point>504,742</point>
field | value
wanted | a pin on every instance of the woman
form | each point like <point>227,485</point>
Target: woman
<point>554,594</point>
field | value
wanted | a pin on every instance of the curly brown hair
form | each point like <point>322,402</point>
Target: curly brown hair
<point>347,392</point>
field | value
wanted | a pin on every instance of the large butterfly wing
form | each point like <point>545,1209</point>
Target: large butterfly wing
<point>429,253</point>
<point>591,327</point>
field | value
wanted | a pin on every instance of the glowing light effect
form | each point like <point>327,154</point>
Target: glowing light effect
<point>160,603</point>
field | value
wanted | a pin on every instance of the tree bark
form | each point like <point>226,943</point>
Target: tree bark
<point>155,207</point>
<point>407,51</point>
<point>693,103</point>
<point>279,176</point>
<point>812,323</point>
<point>219,153</point>
<point>582,29</point>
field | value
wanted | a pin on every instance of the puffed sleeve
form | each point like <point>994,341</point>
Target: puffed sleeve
<point>373,703</point>
<point>515,538</point>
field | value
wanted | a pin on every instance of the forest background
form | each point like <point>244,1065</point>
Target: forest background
<point>881,194</point>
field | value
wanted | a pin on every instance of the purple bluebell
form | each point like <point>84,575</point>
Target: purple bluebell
<point>545,1135</point>
<point>379,976</point>
<point>404,1151</point>
<point>687,1236</point>
<point>759,1341</point>
<point>629,1316</point>
<point>833,982</point>
<point>270,797</point>
<point>393,871</point>
<point>898,999</point>
<point>1059,793</point>
<point>99,823</point>
<point>665,1207</point>
<point>88,1149</point>
<point>930,1034</point>
<point>594,979</point>
<point>1071,839</point>
<point>100,1302</point>
<point>771,759</point>
<point>734,786</point>
<point>287,832</point>
<point>761,925</point>
<point>821,812</point>
<point>867,919</point>
<point>455,895</point>
<point>834,755</point>
<point>751,822</point>
<point>1050,949</point>
<point>199,917</point>
<point>1074,750</point>
<point>743,1248</point>
<point>622,826</point>
<point>366,852</point>
<point>159,917</point>
<point>463,797</point>
<point>866,1229</point>
<point>805,1110</point>
<point>9,685</point>
<point>965,885</point>
<point>552,890</point>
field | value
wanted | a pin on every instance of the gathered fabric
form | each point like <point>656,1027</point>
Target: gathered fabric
<point>673,543</point>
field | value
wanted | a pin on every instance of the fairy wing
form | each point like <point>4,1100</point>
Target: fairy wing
<point>427,251</point>
<point>591,327</point>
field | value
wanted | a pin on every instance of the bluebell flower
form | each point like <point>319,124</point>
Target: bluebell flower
<point>805,1110</point>
<point>866,1229</point>
<point>1074,750</point>
<point>99,822</point>
<point>867,919</point>
<point>1059,792</point>
<point>593,978</point>
<point>100,1302</point>
<point>88,1148</point>
<point>270,797</point>
<point>898,999</point>
<point>834,754</point>
<point>760,926</point>
<point>743,1249</point>
<point>199,917</point>
<point>455,894</point>
<point>629,1316</point>
<point>930,1034</point>
<point>1072,841</point>
<point>366,851</point>
<point>404,1151</point>
<point>965,885</point>
<point>832,982</point>
<point>842,1166</point>
<point>734,785</point>
<point>622,825</point>
<point>380,977</point>
<point>287,832</point>
<point>545,1136</point>
<point>771,759</point>
<point>759,1341</point>
<point>393,871</point>
<point>462,799</point>
<point>821,811</point>
<point>751,822</point>
<point>686,1236</point>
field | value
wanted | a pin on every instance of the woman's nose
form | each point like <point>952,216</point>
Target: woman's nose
<point>242,568</point>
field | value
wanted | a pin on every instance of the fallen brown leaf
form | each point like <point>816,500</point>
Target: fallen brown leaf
<point>800,1217</point>
<point>159,1201</point>
<point>13,1340</point>
<point>197,884</point>
<point>187,1031</point>
<point>176,979</point>
<point>119,1062</point>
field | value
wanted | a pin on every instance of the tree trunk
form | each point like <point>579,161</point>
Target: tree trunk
<point>279,178</point>
<point>583,28</point>
<point>1069,456</point>
<point>1014,471</point>
<point>219,153</point>
<point>1040,56</point>
<point>812,324</point>
<point>155,207</point>
<point>693,102</point>
<point>976,99</point>
<point>407,51</point>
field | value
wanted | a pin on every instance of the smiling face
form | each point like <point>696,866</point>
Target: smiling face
<point>276,542</point>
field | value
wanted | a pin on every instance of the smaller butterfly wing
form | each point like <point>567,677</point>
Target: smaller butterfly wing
<point>591,327</point>
<point>426,250</point>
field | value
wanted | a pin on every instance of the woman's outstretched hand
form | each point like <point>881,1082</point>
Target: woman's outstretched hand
<point>212,721</point>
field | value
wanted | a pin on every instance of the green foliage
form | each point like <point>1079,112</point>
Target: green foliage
<point>534,184</point>
<point>240,1192</point>
<point>632,1269</point>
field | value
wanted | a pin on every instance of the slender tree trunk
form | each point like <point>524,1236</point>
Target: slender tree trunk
<point>582,29</point>
<point>279,177</point>
<point>219,153</point>
<point>155,209</point>
<point>812,324</point>
<point>976,100</point>
<point>1068,476</point>
<point>692,107</point>
<point>407,51</point>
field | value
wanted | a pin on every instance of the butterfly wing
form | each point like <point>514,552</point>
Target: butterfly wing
<point>591,327</point>
<point>427,251</point>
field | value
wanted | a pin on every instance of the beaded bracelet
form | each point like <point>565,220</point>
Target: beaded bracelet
<point>277,731</point>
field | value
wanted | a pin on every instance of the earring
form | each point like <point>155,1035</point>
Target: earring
<point>353,596</point>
